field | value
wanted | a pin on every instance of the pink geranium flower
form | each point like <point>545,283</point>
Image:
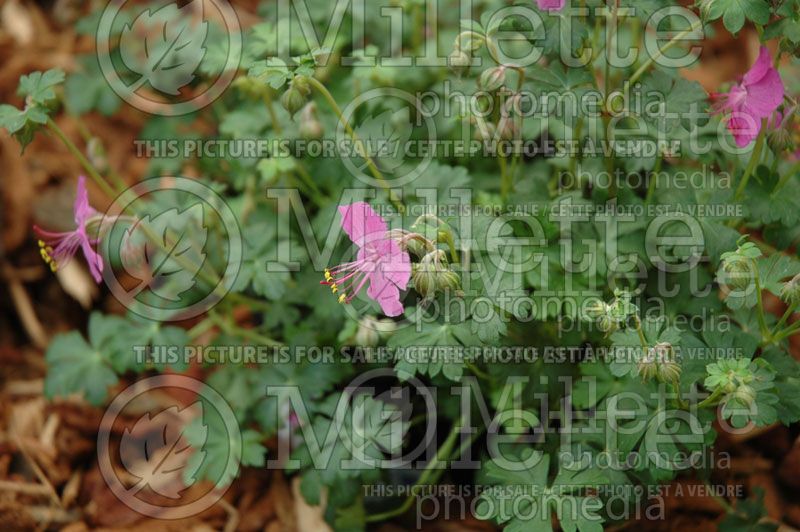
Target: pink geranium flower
<point>757,96</point>
<point>58,248</point>
<point>380,261</point>
<point>551,5</point>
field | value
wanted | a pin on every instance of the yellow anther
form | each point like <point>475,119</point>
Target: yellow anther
<point>334,288</point>
<point>53,267</point>
<point>41,243</point>
<point>328,275</point>
<point>45,256</point>
<point>342,299</point>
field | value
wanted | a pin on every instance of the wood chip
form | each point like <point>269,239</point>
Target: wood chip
<point>309,517</point>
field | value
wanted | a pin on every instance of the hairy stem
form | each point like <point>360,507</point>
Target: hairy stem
<point>431,473</point>
<point>784,318</point>
<point>661,51</point>
<point>755,157</point>
<point>376,173</point>
<point>762,323</point>
<point>84,162</point>
<point>711,399</point>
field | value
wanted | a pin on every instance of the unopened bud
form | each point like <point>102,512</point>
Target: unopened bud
<point>416,246</point>
<point>507,128</point>
<point>738,274</point>
<point>469,41</point>
<point>302,84</point>
<point>596,310</point>
<point>790,291</point>
<point>492,79</point>
<point>449,280</point>
<point>780,139</point>
<point>459,61</point>
<point>424,278</point>
<point>669,372</point>
<point>745,394</point>
<point>96,154</point>
<point>310,127</point>
<point>295,96</point>
<point>251,86</point>
<point>606,324</point>
<point>367,335</point>
<point>648,365</point>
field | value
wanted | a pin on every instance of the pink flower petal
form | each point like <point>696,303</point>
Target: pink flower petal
<point>396,266</point>
<point>757,97</point>
<point>744,128</point>
<point>387,295</point>
<point>94,261</point>
<point>765,96</point>
<point>82,210</point>
<point>551,5</point>
<point>762,65</point>
<point>361,222</point>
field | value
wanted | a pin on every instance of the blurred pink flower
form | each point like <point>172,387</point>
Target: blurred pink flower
<point>551,5</point>
<point>58,248</point>
<point>755,97</point>
<point>380,261</point>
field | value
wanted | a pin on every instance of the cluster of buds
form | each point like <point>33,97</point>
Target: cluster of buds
<point>738,268</point>
<point>659,362</point>
<point>296,95</point>
<point>433,274</point>
<point>739,379</point>
<point>611,316</point>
